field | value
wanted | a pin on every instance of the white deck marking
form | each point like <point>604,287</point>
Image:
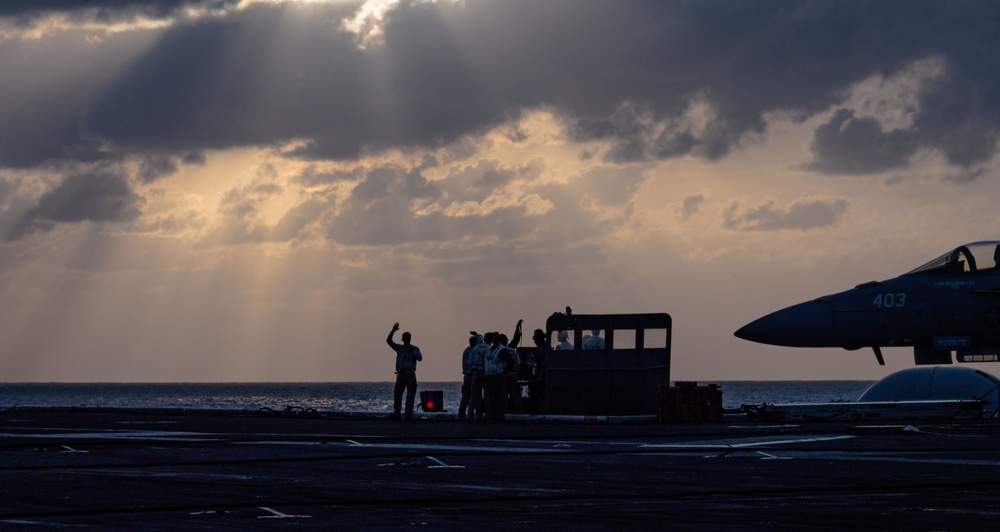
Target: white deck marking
<point>453,447</point>
<point>145,473</point>
<point>763,443</point>
<point>117,435</point>
<point>442,464</point>
<point>771,456</point>
<point>277,514</point>
<point>71,450</point>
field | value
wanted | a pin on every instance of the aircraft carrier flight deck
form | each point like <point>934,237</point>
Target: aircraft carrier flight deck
<point>204,470</point>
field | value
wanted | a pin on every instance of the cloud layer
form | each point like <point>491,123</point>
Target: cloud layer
<point>660,80</point>
<point>509,146</point>
<point>653,80</point>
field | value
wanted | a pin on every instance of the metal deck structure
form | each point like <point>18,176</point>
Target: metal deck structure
<point>623,378</point>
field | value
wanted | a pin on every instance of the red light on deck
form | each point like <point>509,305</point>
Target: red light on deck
<point>432,401</point>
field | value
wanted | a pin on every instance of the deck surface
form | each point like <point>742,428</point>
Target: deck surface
<point>119,469</point>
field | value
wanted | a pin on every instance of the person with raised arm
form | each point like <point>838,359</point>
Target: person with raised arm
<point>407,356</point>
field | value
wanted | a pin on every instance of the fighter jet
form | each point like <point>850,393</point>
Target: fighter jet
<point>951,305</point>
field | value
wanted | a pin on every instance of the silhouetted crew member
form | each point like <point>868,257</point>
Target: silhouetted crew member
<point>467,377</point>
<point>594,341</point>
<point>516,340</point>
<point>536,389</point>
<point>477,361</point>
<point>564,344</point>
<point>512,369</point>
<point>407,356</point>
<point>496,393</point>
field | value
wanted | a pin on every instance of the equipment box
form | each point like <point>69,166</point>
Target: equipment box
<point>689,403</point>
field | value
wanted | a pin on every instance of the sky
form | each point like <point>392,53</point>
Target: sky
<point>223,190</point>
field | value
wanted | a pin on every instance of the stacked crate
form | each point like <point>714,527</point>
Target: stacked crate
<point>686,402</point>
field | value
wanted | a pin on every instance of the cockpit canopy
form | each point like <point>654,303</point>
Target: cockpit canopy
<point>969,258</point>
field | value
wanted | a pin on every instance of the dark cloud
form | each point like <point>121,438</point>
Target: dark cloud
<point>968,176</point>
<point>103,196</point>
<point>195,90</point>
<point>801,215</point>
<point>477,181</point>
<point>25,11</point>
<point>48,85</point>
<point>171,223</point>
<point>395,181</point>
<point>381,209</point>
<point>6,187</point>
<point>240,226</point>
<point>311,177</point>
<point>691,206</point>
<point>153,165</point>
<point>850,145</point>
<point>395,205</point>
<point>245,200</point>
<point>961,118</point>
<point>294,223</point>
<point>637,135</point>
<point>654,79</point>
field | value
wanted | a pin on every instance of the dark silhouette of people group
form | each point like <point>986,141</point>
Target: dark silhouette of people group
<point>494,367</point>
<point>492,375</point>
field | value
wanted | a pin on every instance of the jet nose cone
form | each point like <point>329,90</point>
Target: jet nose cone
<point>807,324</point>
<point>763,330</point>
<point>752,331</point>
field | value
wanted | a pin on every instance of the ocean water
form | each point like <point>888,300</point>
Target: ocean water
<point>350,396</point>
